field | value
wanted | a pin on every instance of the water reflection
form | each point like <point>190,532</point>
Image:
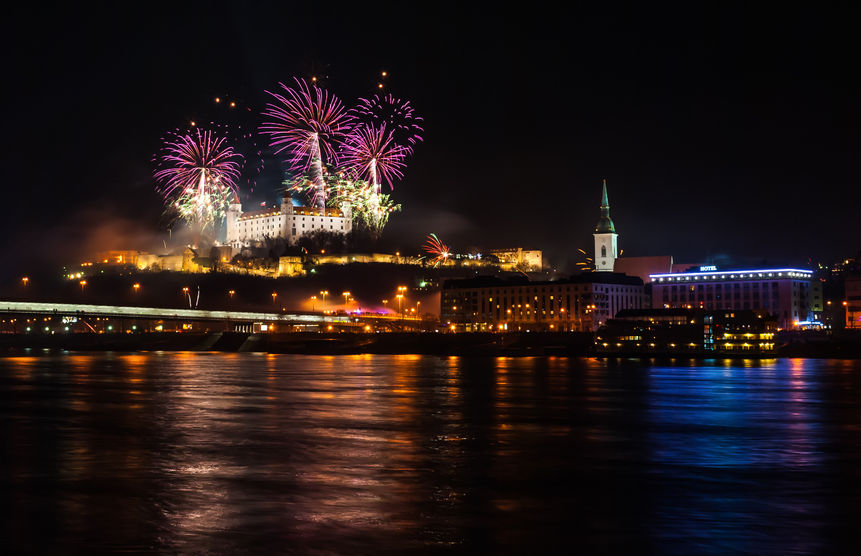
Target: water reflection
<point>188,452</point>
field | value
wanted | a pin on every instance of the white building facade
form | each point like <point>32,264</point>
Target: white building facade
<point>287,221</point>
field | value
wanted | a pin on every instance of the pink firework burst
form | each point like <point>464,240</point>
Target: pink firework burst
<point>436,248</point>
<point>306,121</point>
<point>369,152</point>
<point>189,159</point>
<point>397,114</point>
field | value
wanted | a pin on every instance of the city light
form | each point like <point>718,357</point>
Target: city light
<point>733,274</point>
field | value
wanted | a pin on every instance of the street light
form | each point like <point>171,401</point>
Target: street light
<point>82,283</point>
<point>25,280</point>
<point>346,299</point>
<point>274,295</point>
<point>400,296</point>
<point>313,303</point>
<point>185,294</point>
<point>136,287</point>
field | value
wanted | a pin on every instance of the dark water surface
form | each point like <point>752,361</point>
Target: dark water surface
<point>244,453</point>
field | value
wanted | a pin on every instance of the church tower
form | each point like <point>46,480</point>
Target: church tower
<point>606,238</point>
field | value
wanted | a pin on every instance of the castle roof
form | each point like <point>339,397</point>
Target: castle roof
<point>308,211</point>
<point>262,212</point>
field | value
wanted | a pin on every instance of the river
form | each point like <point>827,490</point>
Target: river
<point>257,454</point>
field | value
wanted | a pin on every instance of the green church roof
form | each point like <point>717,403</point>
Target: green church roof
<point>605,224</point>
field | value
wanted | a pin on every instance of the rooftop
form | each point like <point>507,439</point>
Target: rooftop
<point>258,213</point>
<point>743,274</point>
<point>585,278</point>
<point>307,211</point>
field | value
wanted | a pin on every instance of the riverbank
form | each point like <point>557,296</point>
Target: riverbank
<point>515,344</point>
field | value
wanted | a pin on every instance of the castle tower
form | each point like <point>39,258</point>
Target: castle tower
<point>234,212</point>
<point>606,238</point>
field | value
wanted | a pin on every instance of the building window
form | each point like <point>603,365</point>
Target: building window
<point>603,250</point>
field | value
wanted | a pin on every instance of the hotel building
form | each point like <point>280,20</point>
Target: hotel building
<point>582,303</point>
<point>785,293</point>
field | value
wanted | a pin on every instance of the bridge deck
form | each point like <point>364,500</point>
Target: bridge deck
<point>118,311</point>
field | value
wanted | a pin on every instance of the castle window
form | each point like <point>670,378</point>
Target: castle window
<point>603,250</point>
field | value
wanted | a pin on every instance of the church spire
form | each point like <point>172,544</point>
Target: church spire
<point>605,224</point>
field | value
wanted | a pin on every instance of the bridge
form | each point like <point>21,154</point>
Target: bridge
<point>22,316</point>
<point>103,314</point>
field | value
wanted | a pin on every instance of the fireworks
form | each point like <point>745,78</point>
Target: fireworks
<point>197,175</point>
<point>309,186</point>
<point>587,263</point>
<point>199,172</point>
<point>370,153</point>
<point>397,114</point>
<point>436,248</point>
<point>369,207</point>
<point>308,123</point>
<point>203,205</point>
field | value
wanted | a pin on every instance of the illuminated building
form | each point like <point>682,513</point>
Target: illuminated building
<point>117,257</point>
<point>785,293</point>
<point>581,303</point>
<point>606,238</point>
<point>287,221</point>
<point>527,260</point>
<point>687,331</point>
<point>853,301</point>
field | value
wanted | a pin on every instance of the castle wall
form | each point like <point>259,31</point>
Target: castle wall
<point>287,222</point>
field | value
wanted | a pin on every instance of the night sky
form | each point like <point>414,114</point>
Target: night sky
<point>726,135</point>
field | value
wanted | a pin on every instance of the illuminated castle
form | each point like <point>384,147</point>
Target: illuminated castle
<point>606,238</point>
<point>287,221</point>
